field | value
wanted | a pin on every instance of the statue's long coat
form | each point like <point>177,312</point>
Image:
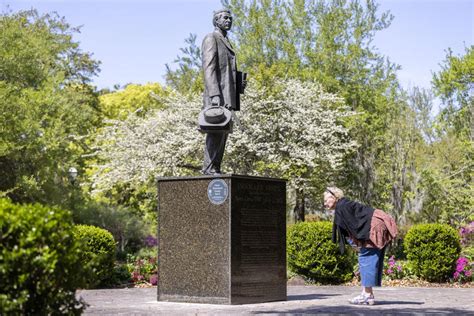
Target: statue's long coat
<point>219,67</point>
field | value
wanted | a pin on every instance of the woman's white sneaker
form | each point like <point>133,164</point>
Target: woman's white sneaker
<point>363,299</point>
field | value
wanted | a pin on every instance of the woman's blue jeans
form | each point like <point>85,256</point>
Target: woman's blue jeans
<point>371,266</point>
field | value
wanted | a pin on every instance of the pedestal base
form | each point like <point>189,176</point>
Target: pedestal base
<point>224,243</point>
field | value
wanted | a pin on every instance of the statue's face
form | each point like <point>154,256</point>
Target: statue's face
<point>224,21</point>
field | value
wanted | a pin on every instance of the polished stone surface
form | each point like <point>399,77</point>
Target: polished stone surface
<point>229,253</point>
<point>194,244</point>
<point>258,239</point>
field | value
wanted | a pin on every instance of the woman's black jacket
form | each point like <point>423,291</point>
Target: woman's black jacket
<point>351,219</point>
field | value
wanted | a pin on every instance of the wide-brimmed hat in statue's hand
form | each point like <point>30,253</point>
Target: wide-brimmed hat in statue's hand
<point>215,119</point>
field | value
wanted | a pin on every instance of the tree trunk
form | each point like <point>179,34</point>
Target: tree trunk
<point>122,242</point>
<point>299,209</point>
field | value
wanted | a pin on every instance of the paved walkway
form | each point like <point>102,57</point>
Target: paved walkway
<point>301,300</point>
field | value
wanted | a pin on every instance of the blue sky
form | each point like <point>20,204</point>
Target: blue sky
<point>135,39</point>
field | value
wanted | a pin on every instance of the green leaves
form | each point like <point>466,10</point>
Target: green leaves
<point>46,108</point>
<point>35,48</point>
<point>454,84</point>
<point>187,78</point>
<point>311,253</point>
<point>98,253</point>
<point>120,104</point>
<point>39,260</point>
<point>329,42</point>
<point>432,250</point>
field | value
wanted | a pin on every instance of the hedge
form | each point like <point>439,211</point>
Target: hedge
<point>98,254</point>
<point>40,265</point>
<point>311,253</point>
<point>432,251</point>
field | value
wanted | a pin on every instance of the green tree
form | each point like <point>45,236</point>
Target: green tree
<point>447,175</point>
<point>455,85</point>
<point>406,140</point>
<point>425,174</point>
<point>134,97</point>
<point>432,157</point>
<point>47,108</point>
<point>330,42</point>
<point>187,78</point>
<point>445,182</point>
<point>129,204</point>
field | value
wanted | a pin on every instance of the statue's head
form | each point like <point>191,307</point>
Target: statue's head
<point>222,19</point>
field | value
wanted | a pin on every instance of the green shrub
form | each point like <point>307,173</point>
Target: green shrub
<point>432,251</point>
<point>311,253</point>
<point>98,254</point>
<point>468,252</point>
<point>121,276</point>
<point>40,265</point>
<point>128,228</point>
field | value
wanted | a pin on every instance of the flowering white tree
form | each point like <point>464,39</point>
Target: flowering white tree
<point>163,143</point>
<point>297,133</point>
<point>294,132</point>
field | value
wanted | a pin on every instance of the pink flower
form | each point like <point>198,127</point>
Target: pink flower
<point>456,275</point>
<point>399,268</point>
<point>389,271</point>
<point>462,261</point>
<point>391,262</point>
<point>154,279</point>
<point>468,273</point>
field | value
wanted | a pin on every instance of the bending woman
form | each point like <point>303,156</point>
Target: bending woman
<point>368,230</point>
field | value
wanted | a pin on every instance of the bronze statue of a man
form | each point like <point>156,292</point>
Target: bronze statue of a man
<point>223,84</point>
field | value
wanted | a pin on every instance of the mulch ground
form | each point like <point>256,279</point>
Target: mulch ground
<point>417,283</point>
<point>354,282</point>
<point>421,283</point>
<point>297,280</point>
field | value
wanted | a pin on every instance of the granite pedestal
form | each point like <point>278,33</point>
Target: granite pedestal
<point>221,240</point>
